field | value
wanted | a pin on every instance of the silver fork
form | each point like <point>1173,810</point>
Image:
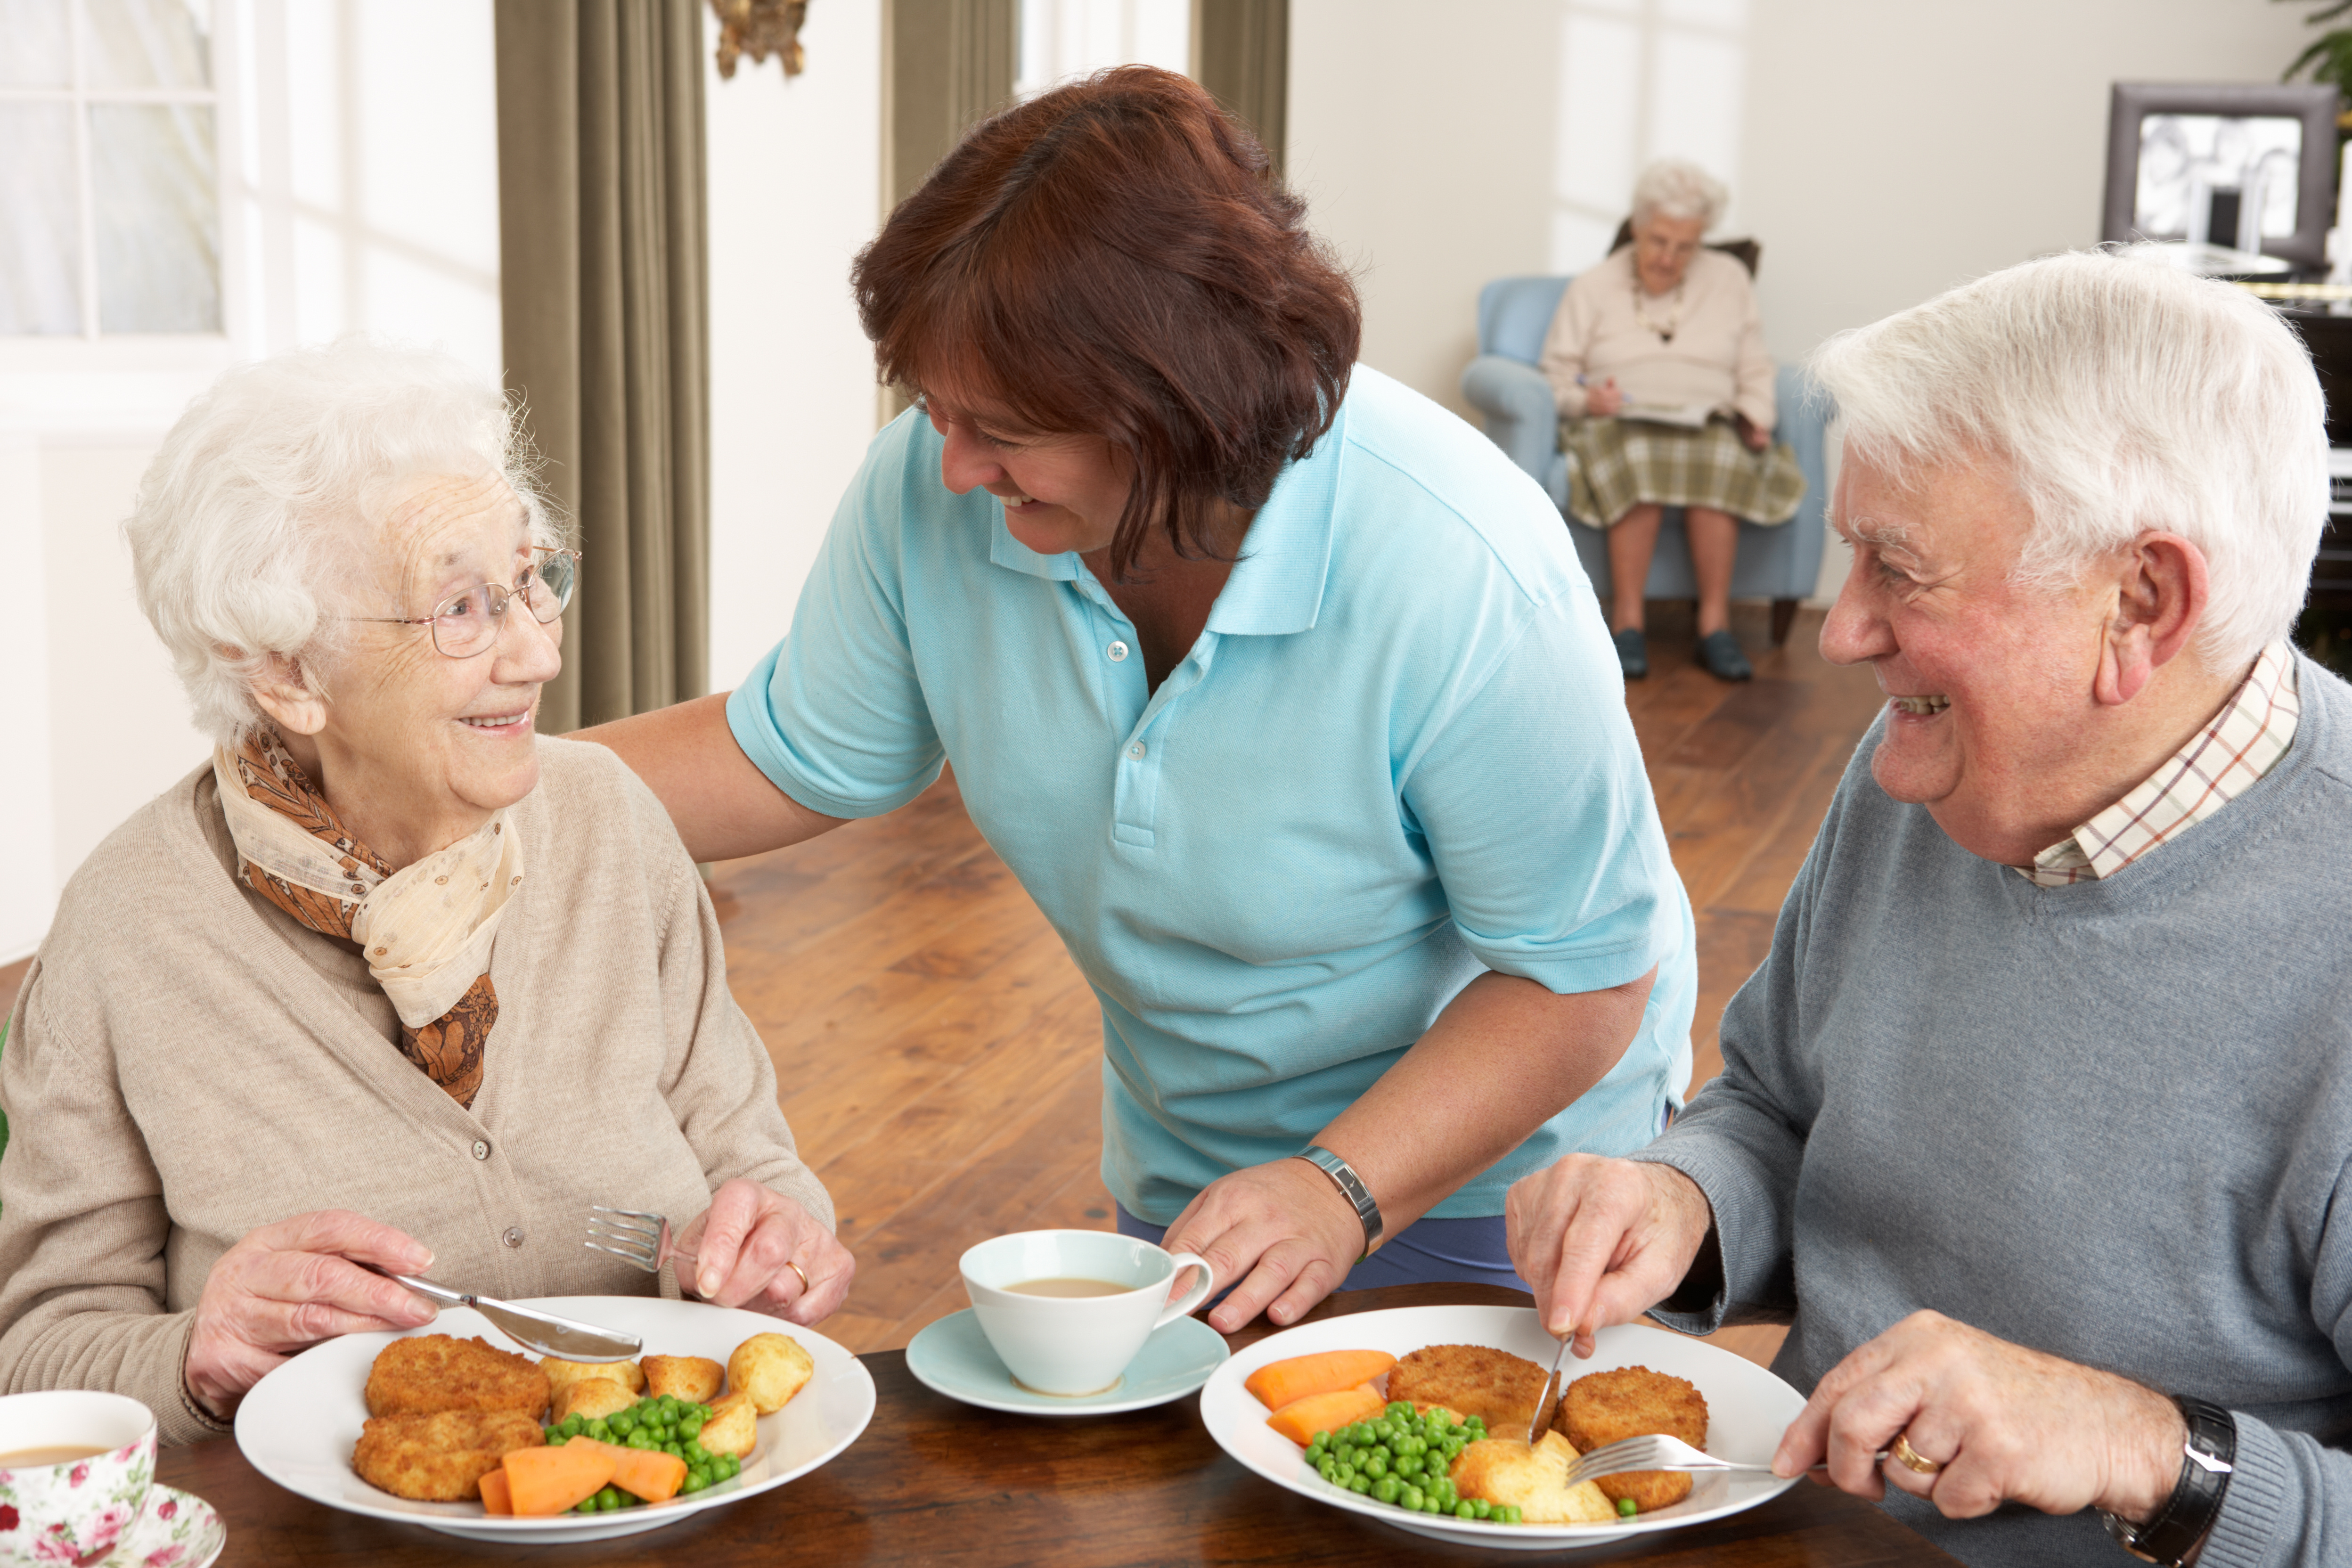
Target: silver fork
<point>639,1237</point>
<point>1659,1452</point>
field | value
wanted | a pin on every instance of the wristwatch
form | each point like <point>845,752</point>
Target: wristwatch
<point>1351,1187</point>
<point>2207,1460</point>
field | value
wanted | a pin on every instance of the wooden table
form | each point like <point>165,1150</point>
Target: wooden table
<point>933,1481</point>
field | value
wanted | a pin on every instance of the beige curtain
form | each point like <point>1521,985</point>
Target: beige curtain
<point>1241,53</point>
<point>946,65</point>
<point>603,285</point>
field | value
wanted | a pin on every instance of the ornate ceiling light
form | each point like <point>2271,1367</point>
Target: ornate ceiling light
<point>759,29</point>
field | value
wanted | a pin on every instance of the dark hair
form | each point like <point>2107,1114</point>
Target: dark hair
<point>1116,258</point>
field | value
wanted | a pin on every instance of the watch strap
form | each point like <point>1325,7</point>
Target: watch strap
<point>1351,1187</point>
<point>2207,1461</point>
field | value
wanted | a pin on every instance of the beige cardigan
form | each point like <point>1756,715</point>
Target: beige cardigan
<point>1716,356</point>
<point>186,1063</point>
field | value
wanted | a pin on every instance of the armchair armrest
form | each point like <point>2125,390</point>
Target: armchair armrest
<point>1805,413</point>
<point>1521,416</point>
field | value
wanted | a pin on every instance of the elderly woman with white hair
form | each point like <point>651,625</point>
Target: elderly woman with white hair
<point>392,979</point>
<point>2036,1124</point>
<point>1656,360</point>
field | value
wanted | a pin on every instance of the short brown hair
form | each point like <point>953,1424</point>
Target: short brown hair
<point>1116,258</point>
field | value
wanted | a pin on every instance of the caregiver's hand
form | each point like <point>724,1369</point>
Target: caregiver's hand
<point>290,1285</point>
<point>752,1248</point>
<point>1604,1240</point>
<point>2003,1423</point>
<point>1283,1230</point>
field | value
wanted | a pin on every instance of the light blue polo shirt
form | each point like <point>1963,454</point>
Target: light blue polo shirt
<point>1399,755</point>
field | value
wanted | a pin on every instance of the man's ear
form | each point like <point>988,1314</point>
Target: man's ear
<point>2161,593</point>
<point>285,690</point>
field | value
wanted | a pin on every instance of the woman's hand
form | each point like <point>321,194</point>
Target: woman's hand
<point>290,1285</point>
<point>1752,435</point>
<point>1282,1230</point>
<point>1604,1240</point>
<point>1603,400</point>
<point>2003,1423</point>
<point>759,1249</point>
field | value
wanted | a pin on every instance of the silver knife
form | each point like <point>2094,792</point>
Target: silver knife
<point>563,1337</point>
<point>1551,1384</point>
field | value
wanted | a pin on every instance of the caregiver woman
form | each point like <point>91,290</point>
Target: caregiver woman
<point>1277,685</point>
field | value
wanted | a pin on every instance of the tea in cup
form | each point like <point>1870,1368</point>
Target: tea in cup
<point>1066,1310</point>
<point>75,1467</point>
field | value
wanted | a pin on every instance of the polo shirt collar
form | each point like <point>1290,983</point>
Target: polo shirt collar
<point>1276,586</point>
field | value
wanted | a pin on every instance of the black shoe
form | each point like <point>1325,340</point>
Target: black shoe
<point>1633,653</point>
<point>1719,653</point>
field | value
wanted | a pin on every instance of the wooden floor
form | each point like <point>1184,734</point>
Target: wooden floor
<point>941,1058</point>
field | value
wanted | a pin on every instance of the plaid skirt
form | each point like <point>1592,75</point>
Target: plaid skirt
<point>1616,465</point>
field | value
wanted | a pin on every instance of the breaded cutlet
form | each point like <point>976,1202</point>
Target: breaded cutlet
<point>433,1371</point>
<point>441,1457</point>
<point>1604,1407</point>
<point>1472,1380</point>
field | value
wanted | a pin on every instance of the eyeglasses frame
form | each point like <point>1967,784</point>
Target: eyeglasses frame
<point>506,592</point>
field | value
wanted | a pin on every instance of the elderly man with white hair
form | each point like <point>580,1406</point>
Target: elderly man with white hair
<point>2035,1124</point>
<point>392,979</point>
<point>1656,360</point>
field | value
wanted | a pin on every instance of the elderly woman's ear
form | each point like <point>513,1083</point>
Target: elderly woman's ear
<point>284,688</point>
<point>2161,592</point>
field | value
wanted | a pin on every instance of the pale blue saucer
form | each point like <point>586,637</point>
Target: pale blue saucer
<point>954,1358</point>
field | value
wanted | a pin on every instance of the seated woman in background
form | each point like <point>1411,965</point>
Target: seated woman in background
<point>392,979</point>
<point>1661,332</point>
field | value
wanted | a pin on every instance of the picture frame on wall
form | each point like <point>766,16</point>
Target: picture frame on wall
<point>2241,166</point>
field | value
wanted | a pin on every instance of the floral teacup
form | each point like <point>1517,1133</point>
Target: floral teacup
<point>77,1508</point>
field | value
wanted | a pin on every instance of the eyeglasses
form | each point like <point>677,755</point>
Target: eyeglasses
<point>468,624</point>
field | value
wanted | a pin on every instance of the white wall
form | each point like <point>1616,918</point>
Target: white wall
<point>795,189</point>
<point>1881,151</point>
<point>361,192</point>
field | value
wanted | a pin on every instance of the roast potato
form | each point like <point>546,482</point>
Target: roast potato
<point>770,1368</point>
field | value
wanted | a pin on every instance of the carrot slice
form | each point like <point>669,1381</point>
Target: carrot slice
<point>1301,1418</point>
<point>543,1482</point>
<point>495,1498</point>
<point>1281,1383</point>
<point>647,1473</point>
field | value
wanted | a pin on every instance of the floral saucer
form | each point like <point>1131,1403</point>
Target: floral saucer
<point>178,1530</point>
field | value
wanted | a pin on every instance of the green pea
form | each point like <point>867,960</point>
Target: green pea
<point>1453,1446</point>
<point>696,1454</point>
<point>1360,1485</point>
<point>1464,1511</point>
<point>1385,1490</point>
<point>693,1483</point>
<point>1409,1497</point>
<point>1510,1514</point>
<point>587,1505</point>
<point>1486,1509</point>
<point>1627,1508</point>
<point>689,1426</point>
<point>1328,1469</point>
<point>1376,1463</point>
<point>1346,1475</point>
<point>1408,1465</point>
<point>1398,1407</point>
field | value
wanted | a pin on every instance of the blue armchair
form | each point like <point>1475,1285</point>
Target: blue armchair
<point>1779,563</point>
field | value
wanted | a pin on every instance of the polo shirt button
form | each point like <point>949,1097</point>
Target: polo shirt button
<point>1118,651</point>
<point>1135,753</point>
<point>482,1150</point>
<point>513,1237</point>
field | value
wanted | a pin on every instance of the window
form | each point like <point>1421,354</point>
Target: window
<point>110,195</point>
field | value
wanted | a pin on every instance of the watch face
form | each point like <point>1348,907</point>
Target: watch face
<point>2127,1534</point>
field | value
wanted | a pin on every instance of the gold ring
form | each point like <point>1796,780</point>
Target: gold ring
<point>1910,1459</point>
<point>804,1284</point>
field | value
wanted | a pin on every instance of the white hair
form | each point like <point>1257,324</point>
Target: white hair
<point>2121,396</point>
<point>250,521</point>
<point>1675,188</point>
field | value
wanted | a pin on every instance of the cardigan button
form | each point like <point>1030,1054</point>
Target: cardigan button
<point>513,1237</point>
<point>482,1150</point>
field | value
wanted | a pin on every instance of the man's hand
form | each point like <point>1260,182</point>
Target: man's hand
<point>752,1248</point>
<point>1602,1240</point>
<point>1282,1230</point>
<point>287,1286</point>
<point>2003,1423</point>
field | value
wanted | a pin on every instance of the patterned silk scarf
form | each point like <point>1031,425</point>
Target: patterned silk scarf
<point>427,930</point>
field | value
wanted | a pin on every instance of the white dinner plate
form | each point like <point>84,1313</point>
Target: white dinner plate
<point>299,1423</point>
<point>1748,1408</point>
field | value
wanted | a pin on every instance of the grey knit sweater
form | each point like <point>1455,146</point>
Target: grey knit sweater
<point>2109,1121</point>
